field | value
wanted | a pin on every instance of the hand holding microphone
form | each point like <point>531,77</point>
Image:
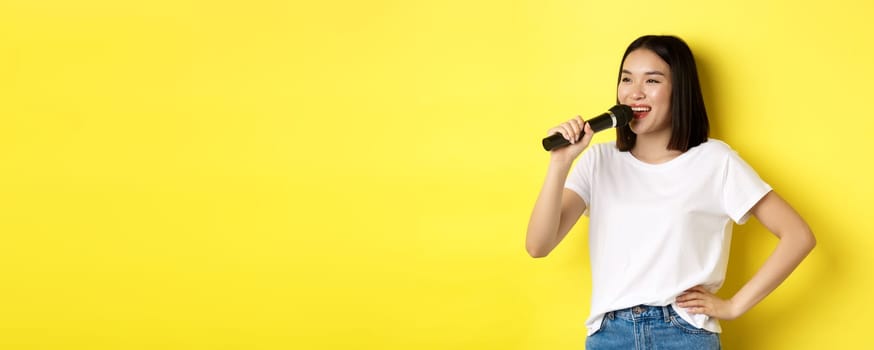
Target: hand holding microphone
<point>575,129</point>
<point>617,116</point>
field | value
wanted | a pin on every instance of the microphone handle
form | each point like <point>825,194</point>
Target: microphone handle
<point>555,141</point>
<point>601,122</point>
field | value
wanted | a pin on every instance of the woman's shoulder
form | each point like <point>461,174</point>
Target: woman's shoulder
<point>718,151</point>
<point>715,147</point>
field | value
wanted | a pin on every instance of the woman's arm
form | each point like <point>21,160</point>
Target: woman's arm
<point>796,241</point>
<point>557,209</point>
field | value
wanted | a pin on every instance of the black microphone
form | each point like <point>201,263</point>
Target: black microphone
<point>616,117</point>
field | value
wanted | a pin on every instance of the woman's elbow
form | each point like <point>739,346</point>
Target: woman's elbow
<point>804,239</point>
<point>809,239</point>
<point>536,251</point>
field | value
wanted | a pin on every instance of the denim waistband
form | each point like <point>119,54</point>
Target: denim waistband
<point>641,312</point>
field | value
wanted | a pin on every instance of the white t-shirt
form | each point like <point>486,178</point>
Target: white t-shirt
<point>656,230</point>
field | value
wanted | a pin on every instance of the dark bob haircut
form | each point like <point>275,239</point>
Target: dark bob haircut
<point>689,124</point>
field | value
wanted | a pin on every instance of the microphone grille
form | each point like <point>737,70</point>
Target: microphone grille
<point>623,114</point>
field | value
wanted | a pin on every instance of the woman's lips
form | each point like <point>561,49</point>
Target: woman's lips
<point>640,112</point>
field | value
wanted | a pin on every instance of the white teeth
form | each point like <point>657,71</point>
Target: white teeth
<point>641,109</point>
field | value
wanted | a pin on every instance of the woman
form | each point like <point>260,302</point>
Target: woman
<point>661,202</point>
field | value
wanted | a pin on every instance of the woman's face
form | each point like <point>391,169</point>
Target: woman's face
<point>645,85</point>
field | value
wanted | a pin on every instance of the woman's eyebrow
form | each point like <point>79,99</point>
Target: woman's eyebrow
<point>655,72</point>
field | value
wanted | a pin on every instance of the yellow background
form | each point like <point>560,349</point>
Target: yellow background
<point>337,174</point>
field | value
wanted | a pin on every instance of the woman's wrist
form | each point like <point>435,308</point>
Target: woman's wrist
<point>560,160</point>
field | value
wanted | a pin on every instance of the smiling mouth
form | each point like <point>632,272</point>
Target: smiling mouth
<point>641,109</point>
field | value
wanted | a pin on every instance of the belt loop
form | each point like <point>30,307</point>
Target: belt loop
<point>666,313</point>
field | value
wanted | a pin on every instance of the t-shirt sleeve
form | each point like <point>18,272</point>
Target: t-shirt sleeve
<point>742,189</point>
<point>580,178</point>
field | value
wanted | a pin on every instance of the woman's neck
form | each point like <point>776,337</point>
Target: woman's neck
<point>654,150</point>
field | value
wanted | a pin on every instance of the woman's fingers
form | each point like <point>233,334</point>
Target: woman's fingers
<point>699,300</point>
<point>685,297</point>
<point>577,126</point>
<point>577,132</point>
<point>698,289</point>
<point>570,134</point>
<point>571,129</point>
<point>589,130</point>
<point>694,303</point>
<point>558,130</point>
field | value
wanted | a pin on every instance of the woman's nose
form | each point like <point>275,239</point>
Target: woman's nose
<point>637,92</point>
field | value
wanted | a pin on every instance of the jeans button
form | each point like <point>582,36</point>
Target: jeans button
<point>637,310</point>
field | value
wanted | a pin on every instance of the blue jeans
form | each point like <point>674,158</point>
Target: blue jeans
<point>649,327</point>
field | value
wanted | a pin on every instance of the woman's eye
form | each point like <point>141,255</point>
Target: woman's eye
<point>625,80</point>
<point>652,81</point>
